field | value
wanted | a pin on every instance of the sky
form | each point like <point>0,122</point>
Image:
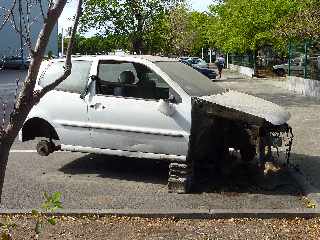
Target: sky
<point>69,11</point>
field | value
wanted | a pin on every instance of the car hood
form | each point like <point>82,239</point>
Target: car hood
<point>250,105</point>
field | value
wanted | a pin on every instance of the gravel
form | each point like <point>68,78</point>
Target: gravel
<point>72,228</point>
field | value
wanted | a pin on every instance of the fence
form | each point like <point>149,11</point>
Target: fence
<point>304,60</point>
<point>262,63</point>
<point>242,60</point>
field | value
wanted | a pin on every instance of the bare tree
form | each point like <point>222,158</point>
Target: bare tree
<point>28,97</point>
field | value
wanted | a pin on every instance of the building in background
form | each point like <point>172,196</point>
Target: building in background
<point>11,41</point>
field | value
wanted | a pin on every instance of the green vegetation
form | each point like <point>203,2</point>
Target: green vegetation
<point>132,18</point>
<point>169,27</point>
<point>51,204</point>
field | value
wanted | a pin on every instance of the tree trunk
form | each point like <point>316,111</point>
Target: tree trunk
<point>138,39</point>
<point>5,146</point>
<point>28,97</point>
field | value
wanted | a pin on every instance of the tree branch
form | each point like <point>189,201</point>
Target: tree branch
<point>42,12</point>
<point>10,13</point>
<point>68,64</point>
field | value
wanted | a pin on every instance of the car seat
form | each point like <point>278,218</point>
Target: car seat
<point>146,88</point>
<point>126,77</point>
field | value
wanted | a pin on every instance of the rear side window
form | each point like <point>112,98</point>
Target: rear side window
<point>75,83</point>
<point>111,70</point>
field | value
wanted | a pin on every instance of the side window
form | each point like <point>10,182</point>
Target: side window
<point>110,71</point>
<point>75,83</point>
<point>129,79</point>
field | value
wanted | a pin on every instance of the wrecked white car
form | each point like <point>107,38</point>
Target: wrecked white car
<point>155,108</point>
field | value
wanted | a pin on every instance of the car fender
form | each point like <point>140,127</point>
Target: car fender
<point>41,115</point>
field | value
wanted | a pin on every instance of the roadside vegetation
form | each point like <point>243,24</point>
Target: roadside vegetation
<point>172,28</point>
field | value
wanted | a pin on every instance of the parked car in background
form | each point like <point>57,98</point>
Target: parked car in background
<point>14,63</point>
<point>198,62</point>
<point>296,65</point>
<point>211,74</point>
<point>154,108</point>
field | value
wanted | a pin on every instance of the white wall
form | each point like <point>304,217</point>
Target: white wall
<point>307,87</point>
<point>243,70</point>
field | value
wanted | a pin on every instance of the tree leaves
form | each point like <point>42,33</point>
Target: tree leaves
<point>303,24</point>
<point>129,17</point>
<point>247,25</point>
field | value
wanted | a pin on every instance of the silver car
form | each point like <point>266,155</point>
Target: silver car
<point>151,107</point>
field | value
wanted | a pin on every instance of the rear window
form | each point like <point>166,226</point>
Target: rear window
<point>75,83</point>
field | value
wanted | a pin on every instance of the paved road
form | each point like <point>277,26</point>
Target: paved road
<point>10,82</point>
<point>305,120</point>
<point>95,181</point>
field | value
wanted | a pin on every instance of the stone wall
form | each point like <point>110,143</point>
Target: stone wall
<point>306,87</point>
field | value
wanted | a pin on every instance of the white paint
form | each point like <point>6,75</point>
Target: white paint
<point>22,151</point>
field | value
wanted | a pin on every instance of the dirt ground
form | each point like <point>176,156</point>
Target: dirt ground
<point>70,228</point>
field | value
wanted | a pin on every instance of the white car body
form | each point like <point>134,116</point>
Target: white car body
<point>126,126</point>
<point>98,124</point>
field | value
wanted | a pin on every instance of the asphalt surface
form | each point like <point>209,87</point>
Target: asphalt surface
<point>10,83</point>
<point>305,115</point>
<point>106,182</point>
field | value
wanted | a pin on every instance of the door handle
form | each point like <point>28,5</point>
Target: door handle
<point>97,106</point>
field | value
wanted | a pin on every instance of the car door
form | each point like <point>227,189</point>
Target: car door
<point>130,119</point>
<point>63,107</point>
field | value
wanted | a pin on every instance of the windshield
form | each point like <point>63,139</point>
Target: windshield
<point>189,79</point>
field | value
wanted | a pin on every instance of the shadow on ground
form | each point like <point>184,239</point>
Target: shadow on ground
<point>313,162</point>
<point>245,178</point>
<point>130,169</point>
<point>241,179</point>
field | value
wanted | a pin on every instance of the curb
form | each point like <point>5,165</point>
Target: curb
<point>182,214</point>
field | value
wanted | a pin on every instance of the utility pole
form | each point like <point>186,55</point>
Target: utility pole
<point>289,57</point>
<point>227,60</point>
<point>305,66</point>
<point>20,23</point>
<point>62,42</point>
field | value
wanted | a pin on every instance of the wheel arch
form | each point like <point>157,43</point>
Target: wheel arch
<point>38,127</point>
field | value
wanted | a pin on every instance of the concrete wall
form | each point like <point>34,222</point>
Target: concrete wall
<point>243,70</point>
<point>10,39</point>
<point>307,87</point>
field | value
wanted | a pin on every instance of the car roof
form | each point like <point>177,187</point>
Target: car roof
<point>122,57</point>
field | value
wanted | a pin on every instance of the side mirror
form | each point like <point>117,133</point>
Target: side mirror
<point>166,108</point>
<point>93,78</point>
<point>171,99</point>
